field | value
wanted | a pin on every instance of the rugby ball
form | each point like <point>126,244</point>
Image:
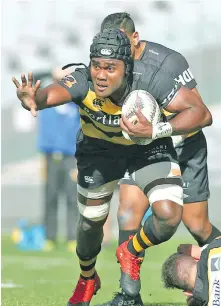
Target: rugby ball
<point>144,101</point>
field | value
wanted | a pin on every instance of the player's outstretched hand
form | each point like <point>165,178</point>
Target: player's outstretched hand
<point>26,92</point>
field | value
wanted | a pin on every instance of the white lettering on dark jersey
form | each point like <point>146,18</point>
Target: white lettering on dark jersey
<point>171,95</point>
<point>185,77</point>
<point>89,179</point>
<point>154,52</point>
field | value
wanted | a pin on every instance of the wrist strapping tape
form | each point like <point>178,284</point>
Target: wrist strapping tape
<point>161,130</point>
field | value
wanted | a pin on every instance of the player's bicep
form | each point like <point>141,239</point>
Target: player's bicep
<point>183,99</point>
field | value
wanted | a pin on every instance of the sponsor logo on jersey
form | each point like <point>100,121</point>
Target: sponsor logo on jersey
<point>154,52</point>
<point>161,149</point>
<point>98,103</point>
<point>185,77</point>
<point>89,179</point>
<point>216,300</point>
<point>109,120</point>
<point>127,175</point>
<point>214,266</point>
<point>69,81</point>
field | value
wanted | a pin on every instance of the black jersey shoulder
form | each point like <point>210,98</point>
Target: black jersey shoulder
<point>77,84</point>
<point>156,81</point>
<point>155,53</point>
<point>201,287</point>
<point>173,62</point>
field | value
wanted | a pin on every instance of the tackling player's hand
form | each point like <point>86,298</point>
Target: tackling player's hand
<point>141,128</point>
<point>26,92</point>
<point>190,300</point>
<point>190,249</point>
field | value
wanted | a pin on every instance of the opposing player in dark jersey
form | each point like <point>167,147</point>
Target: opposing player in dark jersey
<point>103,154</point>
<point>196,272</point>
<point>191,148</point>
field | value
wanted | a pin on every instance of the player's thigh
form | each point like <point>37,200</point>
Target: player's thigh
<point>97,171</point>
<point>132,198</point>
<point>99,162</point>
<point>158,174</point>
<point>192,157</point>
<point>133,205</point>
<point>98,176</point>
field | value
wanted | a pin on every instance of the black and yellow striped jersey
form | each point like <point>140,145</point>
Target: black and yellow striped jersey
<point>100,117</point>
<point>207,288</point>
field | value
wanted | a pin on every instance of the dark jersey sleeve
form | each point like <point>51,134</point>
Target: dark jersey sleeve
<point>177,66</point>
<point>76,84</point>
<point>207,287</point>
<point>200,292</point>
<point>163,88</point>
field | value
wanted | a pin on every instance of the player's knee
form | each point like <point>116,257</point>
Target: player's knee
<point>86,225</point>
<point>167,203</point>
<point>89,238</point>
<point>168,212</point>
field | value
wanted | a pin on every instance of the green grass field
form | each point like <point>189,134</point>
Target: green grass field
<point>47,279</point>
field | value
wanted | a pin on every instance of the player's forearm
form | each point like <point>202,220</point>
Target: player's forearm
<point>41,98</point>
<point>52,95</point>
<point>190,120</point>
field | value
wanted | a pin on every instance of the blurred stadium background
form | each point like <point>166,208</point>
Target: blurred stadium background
<point>40,35</point>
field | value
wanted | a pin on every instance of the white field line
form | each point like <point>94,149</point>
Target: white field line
<point>10,285</point>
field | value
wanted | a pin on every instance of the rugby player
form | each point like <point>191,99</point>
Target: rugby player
<point>191,148</point>
<point>103,154</point>
<point>198,274</point>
